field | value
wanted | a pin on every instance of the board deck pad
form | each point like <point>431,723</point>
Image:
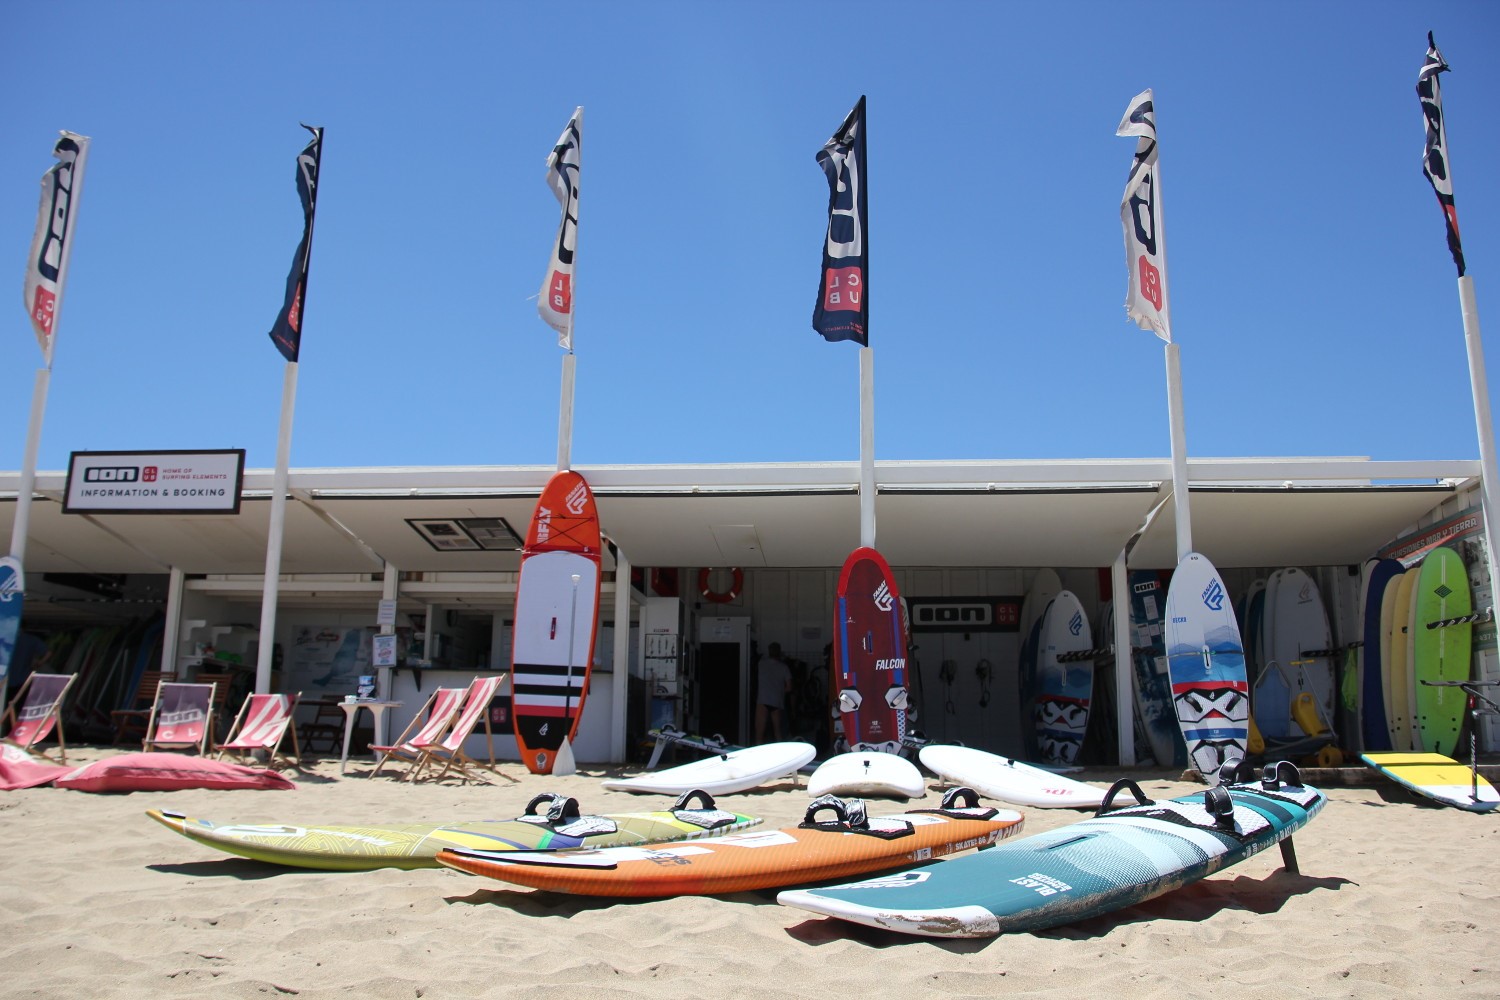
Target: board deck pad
<point>556,620</point>
<point>1442,654</point>
<point>415,845</point>
<point>1065,687</point>
<point>834,842</point>
<point>1122,857</point>
<point>1436,777</point>
<point>1153,684</point>
<point>869,653</point>
<point>1210,692</point>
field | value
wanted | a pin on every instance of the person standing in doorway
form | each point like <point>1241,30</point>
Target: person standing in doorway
<point>774,683</point>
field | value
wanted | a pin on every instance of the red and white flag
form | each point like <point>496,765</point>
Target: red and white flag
<point>1435,155</point>
<point>556,301</point>
<point>1145,251</point>
<point>48,260</point>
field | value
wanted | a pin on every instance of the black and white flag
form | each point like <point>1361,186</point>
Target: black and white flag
<point>286,334</point>
<point>55,219</point>
<point>1435,158</point>
<point>564,164</point>
<point>843,308</point>
<point>1145,252</point>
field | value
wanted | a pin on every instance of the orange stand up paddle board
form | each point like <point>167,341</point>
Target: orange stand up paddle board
<point>557,611</point>
<point>846,842</point>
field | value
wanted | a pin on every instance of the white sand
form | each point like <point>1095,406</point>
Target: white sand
<point>1396,899</point>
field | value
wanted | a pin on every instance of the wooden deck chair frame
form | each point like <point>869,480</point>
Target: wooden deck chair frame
<point>427,726</point>
<point>268,734</point>
<point>327,723</point>
<point>450,751</point>
<point>152,741</point>
<point>38,721</point>
<point>133,716</point>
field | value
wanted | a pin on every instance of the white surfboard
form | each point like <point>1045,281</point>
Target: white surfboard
<point>867,773</point>
<point>1008,780</point>
<point>1299,624</point>
<point>730,772</point>
<point>1064,687</point>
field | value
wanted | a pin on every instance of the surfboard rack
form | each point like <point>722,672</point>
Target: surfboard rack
<point>1086,654</point>
<point>1487,615</point>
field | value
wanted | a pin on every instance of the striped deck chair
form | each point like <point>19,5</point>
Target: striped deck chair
<point>427,727</point>
<point>181,717</point>
<point>264,722</point>
<point>37,708</point>
<point>450,750</point>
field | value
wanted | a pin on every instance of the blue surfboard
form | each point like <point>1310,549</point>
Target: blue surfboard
<point>1383,573</point>
<point>1123,856</point>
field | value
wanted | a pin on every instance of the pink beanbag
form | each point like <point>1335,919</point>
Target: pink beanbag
<point>165,772</point>
<point>19,769</point>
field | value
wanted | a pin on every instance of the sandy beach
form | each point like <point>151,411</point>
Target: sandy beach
<point>1395,898</point>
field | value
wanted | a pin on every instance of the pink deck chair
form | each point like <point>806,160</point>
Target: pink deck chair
<point>181,717</point>
<point>450,750</point>
<point>36,710</point>
<point>427,727</point>
<point>264,722</point>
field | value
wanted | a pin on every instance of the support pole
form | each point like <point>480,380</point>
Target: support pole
<point>621,656</point>
<point>172,628</point>
<point>1478,384</point>
<point>867,447</point>
<point>1179,454</point>
<point>565,414</point>
<point>272,585</point>
<point>1124,663</point>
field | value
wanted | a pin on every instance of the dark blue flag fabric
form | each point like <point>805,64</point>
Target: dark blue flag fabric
<point>1435,159</point>
<point>843,309</point>
<point>287,333</point>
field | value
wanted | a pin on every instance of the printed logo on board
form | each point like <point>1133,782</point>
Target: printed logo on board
<point>577,500</point>
<point>1075,624</point>
<point>882,597</point>
<point>901,881</point>
<point>543,523</point>
<point>1213,596</point>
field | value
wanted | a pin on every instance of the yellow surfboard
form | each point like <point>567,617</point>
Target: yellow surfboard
<point>1439,778</point>
<point>1398,666</point>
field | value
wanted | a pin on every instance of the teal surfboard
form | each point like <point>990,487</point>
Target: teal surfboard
<point>1123,856</point>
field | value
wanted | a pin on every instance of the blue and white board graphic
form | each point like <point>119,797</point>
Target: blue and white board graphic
<point>1121,857</point>
<point>1207,664</point>
<point>1065,687</point>
<point>12,590</point>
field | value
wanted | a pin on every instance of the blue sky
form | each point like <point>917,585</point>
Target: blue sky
<point>1313,296</point>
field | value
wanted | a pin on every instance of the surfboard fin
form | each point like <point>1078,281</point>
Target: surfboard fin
<point>563,762</point>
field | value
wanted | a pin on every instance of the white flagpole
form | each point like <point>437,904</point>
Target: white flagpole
<point>1478,384</point>
<point>272,585</point>
<point>22,524</point>
<point>565,413</point>
<point>1178,430</point>
<point>867,447</point>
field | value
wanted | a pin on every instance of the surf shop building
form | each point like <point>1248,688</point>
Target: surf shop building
<point>410,575</point>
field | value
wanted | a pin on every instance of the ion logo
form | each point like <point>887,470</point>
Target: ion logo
<point>953,614</point>
<point>112,474</point>
<point>1213,597</point>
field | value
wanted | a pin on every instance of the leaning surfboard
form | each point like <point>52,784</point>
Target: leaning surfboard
<point>1381,575</point>
<point>1066,685</point>
<point>847,843</point>
<point>12,591</point>
<point>1123,856</point>
<point>1207,665</point>
<point>869,651</point>
<point>1436,777</point>
<point>1441,655</point>
<point>1148,658</point>
<point>557,613</point>
<point>550,823</point>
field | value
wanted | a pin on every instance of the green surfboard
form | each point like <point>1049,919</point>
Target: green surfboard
<point>1441,654</point>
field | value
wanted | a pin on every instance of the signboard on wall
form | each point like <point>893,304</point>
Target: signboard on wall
<point>154,482</point>
<point>964,614</point>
